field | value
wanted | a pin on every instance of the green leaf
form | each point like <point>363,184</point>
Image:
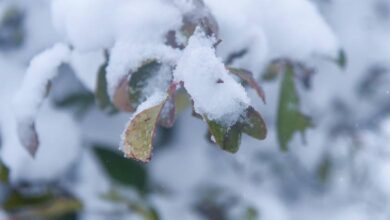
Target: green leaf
<point>139,134</point>
<point>290,120</point>
<point>247,77</point>
<point>101,93</point>
<point>324,169</point>
<point>342,59</point>
<point>228,138</point>
<point>16,200</point>
<point>254,125</point>
<point>4,173</point>
<point>142,208</point>
<point>182,101</point>
<point>122,170</point>
<point>251,214</point>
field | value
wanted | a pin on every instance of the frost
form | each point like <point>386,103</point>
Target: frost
<point>215,93</point>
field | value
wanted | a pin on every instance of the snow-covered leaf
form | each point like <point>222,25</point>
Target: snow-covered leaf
<point>138,136</point>
<point>215,93</point>
<point>35,86</point>
<point>141,82</point>
<point>290,119</point>
<point>247,77</point>
<point>228,138</point>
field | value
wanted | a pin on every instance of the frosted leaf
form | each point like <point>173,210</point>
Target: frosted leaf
<point>28,99</point>
<point>138,135</point>
<point>214,92</point>
<point>127,57</point>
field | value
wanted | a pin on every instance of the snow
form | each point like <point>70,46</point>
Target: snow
<point>294,28</point>
<point>154,100</point>
<point>215,93</point>
<point>86,66</point>
<point>106,22</point>
<point>271,29</point>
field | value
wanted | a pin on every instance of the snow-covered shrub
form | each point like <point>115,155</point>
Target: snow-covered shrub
<point>104,74</point>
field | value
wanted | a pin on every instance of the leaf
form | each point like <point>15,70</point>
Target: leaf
<point>342,59</point>
<point>28,136</point>
<point>324,169</point>
<point>228,138</point>
<point>51,208</point>
<point>168,113</point>
<point>182,101</point>
<point>273,70</point>
<point>251,214</point>
<point>139,81</point>
<point>122,170</point>
<point>290,120</point>
<point>200,16</point>
<point>139,134</point>
<point>4,173</point>
<point>101,93</point>
<point>247,77</point>
<point>254,125</point>
<point>80,101</point>
<point>17,200</point>
<point>141,207</point>
<point>121,97</point>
